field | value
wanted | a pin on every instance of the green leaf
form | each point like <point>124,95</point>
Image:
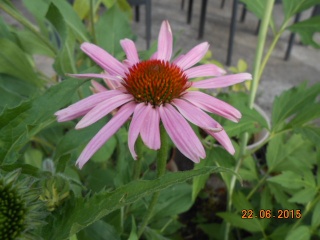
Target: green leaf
<point>306,115</point>
<point>199,182</point>
<point>72,20</point>
<point>315,221</point>
<point>292,7</point>
<point>310,133</point>
<point>15,63</point>
<point>306,29</point>
<point>118,28</point>
<point>20,124</point>
<point>258,7</point>
<point>299,233</point>
<point>32,44</point>
<point>64,62</point>
<point>100,230</point>
<point>280,195</point>
<point>81,213</point>
<point>292,102</point>
<point>33,157</point>
<point>105,152</point>
<point>304,196</point>
<point>81,7</point>
<point>288,180</point>
<point>287,155</point>
<point>14,90</point>
<point>251,225</point>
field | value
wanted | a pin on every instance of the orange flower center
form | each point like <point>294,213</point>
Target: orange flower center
<point>156,82</point>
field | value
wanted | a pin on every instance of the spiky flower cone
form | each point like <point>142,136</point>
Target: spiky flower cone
<point>20,210</point>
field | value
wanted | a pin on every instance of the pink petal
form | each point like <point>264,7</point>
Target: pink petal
<point>102,109</point>
<point>212,104</point>
<point>205,70</point>
<point>177,59</point>
<point>131,51</point>
<point>193,56</point>
<point>165,42</point>
<point>105,133</point>
<point>223,139</point>
<point>112,84</point>
<point>85,105</point>
<point>150,132</point>
<point>224,81</point>
<point>196,115</point>
<point>97,87</point>
<point>137,121</point>
<point>181,133</point>
<point>154,56</point>
<point>104,59</point>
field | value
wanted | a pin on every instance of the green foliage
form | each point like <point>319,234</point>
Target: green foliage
<point>20,124</point>
<point>292,7</point>
<point>83,212</point>
<point>306,29</point>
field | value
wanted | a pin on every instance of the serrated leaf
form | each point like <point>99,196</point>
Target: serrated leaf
<point>306,115</point>
<point>288,180</point>
<point>292,7</point>
<point>14,62</point>
<point>240,202</point>
<point>82,213</point>
<point>280,196</point>
<point>287,155</point>
<point>304,196</point>
<point>118,28</point>
<point>299,233</point>
<point>251,225</point>
<point>291,102</point>
<point>306,29</point>
<point>20,124</point>
<point>310,133</point>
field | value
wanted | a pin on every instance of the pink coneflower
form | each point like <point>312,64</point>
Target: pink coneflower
<point>152,91</point>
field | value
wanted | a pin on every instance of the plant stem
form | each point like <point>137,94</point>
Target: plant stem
<point>93,31</point>
<point>253,91</point>
<point>137,163</point>
<point>259,52</point>
<point>161,168</point>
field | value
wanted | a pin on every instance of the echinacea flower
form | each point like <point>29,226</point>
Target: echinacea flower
<point>152,91</point>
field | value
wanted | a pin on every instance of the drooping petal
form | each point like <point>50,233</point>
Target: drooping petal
<point>135,126</point>
<point>196,115</point>
<point>105,133</point>
<point>181,133</point>
<point>205,70</point>
<point>213,105</point>
<point>103,59</point>
<point>102,109</point>
<point>224,81</point>
<point>131,51</point>
<point>223,139</point>
<point>193,56</point>
<point>165,42</point>
<point>97,87</point>
<point>150,132</point>
<point>85,105</point>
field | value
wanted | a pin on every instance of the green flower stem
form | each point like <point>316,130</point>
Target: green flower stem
<point>9,10</point>
<point>253,91</point>
<point>161,168</point>
<point>259,52</point>
<point>93,31</point>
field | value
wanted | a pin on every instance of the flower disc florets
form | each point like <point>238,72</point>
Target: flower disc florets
<point>156,82</point>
